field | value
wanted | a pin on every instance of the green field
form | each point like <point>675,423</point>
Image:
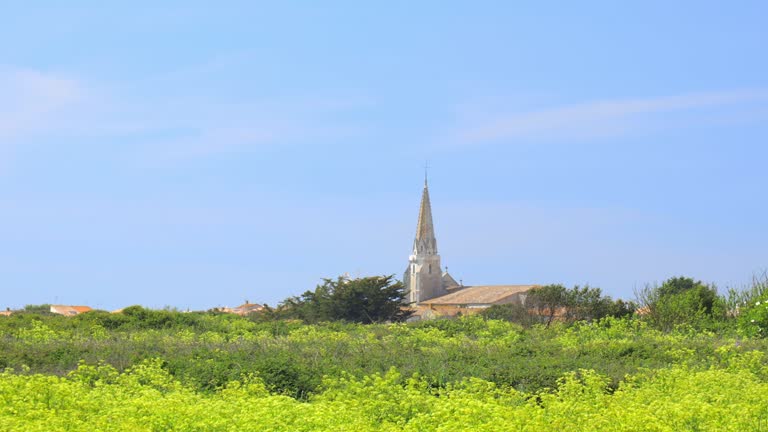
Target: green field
<point>173,371</point>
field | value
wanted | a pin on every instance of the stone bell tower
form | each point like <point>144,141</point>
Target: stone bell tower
<point>423,277</point>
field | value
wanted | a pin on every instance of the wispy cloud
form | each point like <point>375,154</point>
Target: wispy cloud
<point>30,100</point>
<point>239,138</point>
<point>605,118</point>
<point>36,104</point>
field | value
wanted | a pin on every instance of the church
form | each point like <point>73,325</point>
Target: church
<point>433,292</point>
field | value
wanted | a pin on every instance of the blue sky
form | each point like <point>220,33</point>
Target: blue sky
<point>196,155</point>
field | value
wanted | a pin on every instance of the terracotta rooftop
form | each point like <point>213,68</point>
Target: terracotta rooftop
<point>251,306</point>
<point>479,294</point>
<point>244,309</point>
<point>69,310</point>
<point>645,310</point>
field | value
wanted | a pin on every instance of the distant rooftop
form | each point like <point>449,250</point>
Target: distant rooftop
<point>479,295</point>
<point>69,310</point>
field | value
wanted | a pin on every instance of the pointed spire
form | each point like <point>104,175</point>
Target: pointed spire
<point>425,242</point>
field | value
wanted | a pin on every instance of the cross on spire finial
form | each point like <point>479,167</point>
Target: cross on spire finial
<point>426,169</point>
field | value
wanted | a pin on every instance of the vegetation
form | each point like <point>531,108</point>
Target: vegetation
<point>556,302</point>
<point>43,309</point>
<point>148,398</point>
<point>364,300</point>
<point>309,366</point>
<point>680,300</point>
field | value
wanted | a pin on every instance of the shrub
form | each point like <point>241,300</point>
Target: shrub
<point>753,319</point>
<point>680,301</point>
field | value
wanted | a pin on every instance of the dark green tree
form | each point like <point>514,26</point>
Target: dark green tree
<point>363,300</point>
<point>680,300</point>
<point>622,309</point>
<point>701,293</point>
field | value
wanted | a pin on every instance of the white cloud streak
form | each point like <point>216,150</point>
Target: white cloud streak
<point>600,119</point>
<point>229,139</point>
<point>54,108</point>
<point>30,100</point>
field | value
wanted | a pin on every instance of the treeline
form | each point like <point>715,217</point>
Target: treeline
<point>679,302</point>
<point>543,305</point>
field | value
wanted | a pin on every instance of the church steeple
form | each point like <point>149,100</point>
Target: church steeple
<point>425,242</point>
<point>423,277</point>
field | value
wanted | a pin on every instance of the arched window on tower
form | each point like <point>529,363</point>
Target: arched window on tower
<point>430,269</point>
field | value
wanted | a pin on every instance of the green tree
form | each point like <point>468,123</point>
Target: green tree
<point>680,300</point>
<point>704,295</point>
<point>573,304</point>
<point>586,303</point>
<point>363,300</point>
<point>622,309</point>
<point>42,309</point>
<point>547,301</point>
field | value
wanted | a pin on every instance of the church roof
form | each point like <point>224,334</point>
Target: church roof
<point>479,294</point>
<point>449,281</point>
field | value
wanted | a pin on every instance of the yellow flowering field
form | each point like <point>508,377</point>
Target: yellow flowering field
<point>147,398</point>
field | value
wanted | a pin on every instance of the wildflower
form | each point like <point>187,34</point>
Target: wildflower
<point>752,321</point>
<point>757,304</point>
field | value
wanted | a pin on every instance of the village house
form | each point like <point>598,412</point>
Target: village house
<point>69,310</point>
<point>6,312</point>
<point>432,292</point>
<point>244,309</point>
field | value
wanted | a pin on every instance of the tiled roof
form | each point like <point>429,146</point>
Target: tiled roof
<point>645,310</point>
<point>252,306</point>
<point>244,309</point>
<point>479,294</point>
<point>449,281</point>
<point>69,310</point>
